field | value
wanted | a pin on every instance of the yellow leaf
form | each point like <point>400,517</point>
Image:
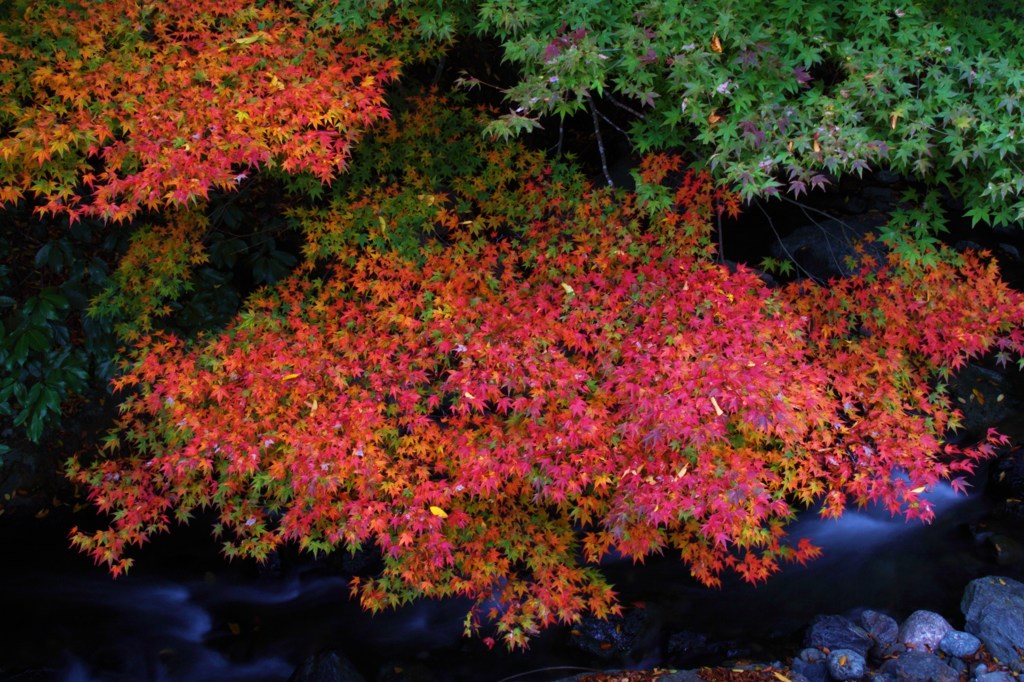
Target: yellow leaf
<point>437,511</point>
<point>289,377</point>
<point>241,116</point>
<point>918,491</point>
<point>235,628</point>
<point>568,289</point>
<point>780,677</point>
<point>249,40</point>
<point>469,395</point>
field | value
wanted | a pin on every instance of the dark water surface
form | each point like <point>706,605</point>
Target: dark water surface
<point>182,614</point>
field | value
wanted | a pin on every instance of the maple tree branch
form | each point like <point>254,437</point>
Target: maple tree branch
<point>600,140</point>
<point>626,107</point>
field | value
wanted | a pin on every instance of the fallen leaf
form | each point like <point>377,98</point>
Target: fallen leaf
<point>437,511</point>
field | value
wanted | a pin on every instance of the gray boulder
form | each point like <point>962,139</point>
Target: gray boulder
<point>923,631</point>
<point>995,676</point>
<point>994,609</point>
<point>883,629</point>
<point>838,632</point>
<point>917,666</point>
<point>812,664</point>
<point>327,666</point>
<point>846,664</point>
<point>959,644</point>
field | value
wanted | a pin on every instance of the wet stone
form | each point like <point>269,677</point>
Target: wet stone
<point>812,664</point>
<point>994,610</point>
<point>838,632</point>
<point>883,629</point>
<point>959,644</point>
<point>917,666</point>
<point>923,631</point>
<point>995,676</point>
<point>846,664</point>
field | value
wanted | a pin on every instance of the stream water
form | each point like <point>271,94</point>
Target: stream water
<point>183,615</point>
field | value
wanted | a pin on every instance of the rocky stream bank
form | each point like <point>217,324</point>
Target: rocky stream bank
<point>871,645</point>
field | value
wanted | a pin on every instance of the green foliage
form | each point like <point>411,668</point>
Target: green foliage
<point>782,96</point>
<point>48,351</point>
<point>155,272</point>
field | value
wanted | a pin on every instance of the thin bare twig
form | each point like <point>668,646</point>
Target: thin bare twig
<point>609,122</point>
<point>600,140</point>
<point>625,107</point>
<point>782,245</point>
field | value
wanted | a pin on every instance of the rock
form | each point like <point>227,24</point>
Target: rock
<point>846,664</point>
<point>995,676</point>
<point>326,666</point>
<point>837,632</point>
<point>917,666</point>
<point>687,648</point>
<point>994,609</point>
<point>883,629</point>
<point>958,665</point>
<point>923,631</point>
<point>812,664</point>
<point>615,637</point>
<point>959,644</point>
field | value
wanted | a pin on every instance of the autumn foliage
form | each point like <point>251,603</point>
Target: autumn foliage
<point>504,380</point>
<point>117,106</point>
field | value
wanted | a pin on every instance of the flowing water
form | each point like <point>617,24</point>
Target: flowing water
<point>183,615</point>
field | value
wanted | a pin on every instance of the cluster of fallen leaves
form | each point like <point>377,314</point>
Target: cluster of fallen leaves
<point>758,674</point>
